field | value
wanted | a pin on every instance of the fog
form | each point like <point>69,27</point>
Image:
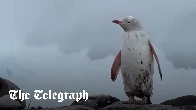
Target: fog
<point>68,46</point>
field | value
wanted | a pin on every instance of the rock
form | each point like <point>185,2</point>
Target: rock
<point>124,102</point>
<point>120,106</point>
<point>107,102</point>
<point>39,107</point>
<point>181,101</point>
<point>97,101</point>
<point>139,107</point>
<point>76,107</point>
<point>5,101</point>
<point>125,107</point>
<point>189,107</point>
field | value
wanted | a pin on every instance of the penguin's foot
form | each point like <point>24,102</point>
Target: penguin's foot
<point>144,100</point>
<point>130,101</point>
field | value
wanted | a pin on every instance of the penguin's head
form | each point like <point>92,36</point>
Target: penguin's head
<point>128,23</point>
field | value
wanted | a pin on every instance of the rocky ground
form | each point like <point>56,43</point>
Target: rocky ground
<point>107,102</point>
<point>96,102</point>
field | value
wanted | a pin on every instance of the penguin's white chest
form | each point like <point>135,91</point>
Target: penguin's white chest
<point>136,61</point>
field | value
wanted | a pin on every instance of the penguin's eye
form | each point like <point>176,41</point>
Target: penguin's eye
<point>128,22</point>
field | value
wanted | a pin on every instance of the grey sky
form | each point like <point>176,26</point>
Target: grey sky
<point>68,46</point>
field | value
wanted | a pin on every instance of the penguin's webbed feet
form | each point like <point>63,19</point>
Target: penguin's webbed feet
<point>130,101</point>
<point>144,100</point>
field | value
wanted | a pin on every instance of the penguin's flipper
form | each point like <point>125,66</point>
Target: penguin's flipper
<point>116,66</point>
<point>156,58</point>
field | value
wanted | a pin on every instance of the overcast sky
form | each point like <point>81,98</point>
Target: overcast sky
<point>69,45</point>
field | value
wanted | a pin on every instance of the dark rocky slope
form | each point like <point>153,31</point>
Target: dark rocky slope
<point>181,101</point>
<point>5,101</point>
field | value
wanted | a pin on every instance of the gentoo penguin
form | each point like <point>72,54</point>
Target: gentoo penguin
<point>135,59</point>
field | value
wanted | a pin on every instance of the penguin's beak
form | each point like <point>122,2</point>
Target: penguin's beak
<point>117,21</point>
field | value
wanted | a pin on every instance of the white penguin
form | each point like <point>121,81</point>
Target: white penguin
<point>135,59</point>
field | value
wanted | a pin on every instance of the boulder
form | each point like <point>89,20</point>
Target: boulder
<point>5,101</point>
<point>181,101</point>
<point>97,101</point>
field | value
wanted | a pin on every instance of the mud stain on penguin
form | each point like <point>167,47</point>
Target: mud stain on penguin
<point>136,36</point>
<point>150,66</point>
<point>142,62</point>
